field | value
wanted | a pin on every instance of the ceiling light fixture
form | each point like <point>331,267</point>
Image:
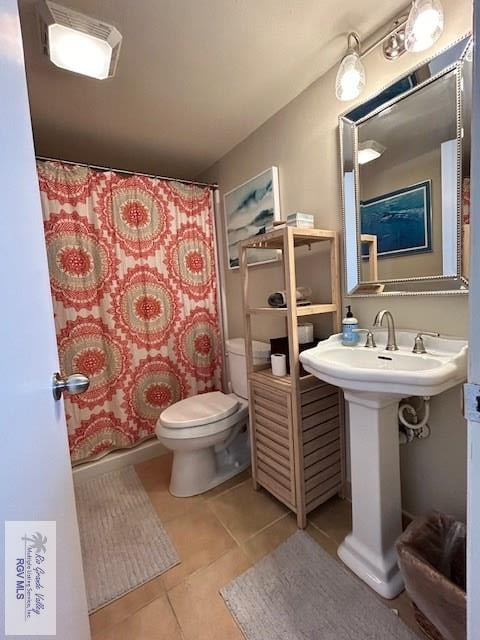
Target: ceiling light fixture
<point>369,150</point>
<point>424,25</point>
<point>417,32</point>
<point>78,43</point>
<point>351,74</point>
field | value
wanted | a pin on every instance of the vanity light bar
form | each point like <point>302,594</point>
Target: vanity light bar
<point>417,32</point>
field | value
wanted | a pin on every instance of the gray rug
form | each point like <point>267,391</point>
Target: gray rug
<point>123,540</point>
<point>299,592</point>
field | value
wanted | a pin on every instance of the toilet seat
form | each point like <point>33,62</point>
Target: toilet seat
<point>186,423</point>
<point>199,410</point>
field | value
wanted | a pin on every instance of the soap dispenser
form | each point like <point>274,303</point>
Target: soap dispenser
<point>350,336</point>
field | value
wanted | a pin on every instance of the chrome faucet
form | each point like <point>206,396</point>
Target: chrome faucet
<point>391,337</point>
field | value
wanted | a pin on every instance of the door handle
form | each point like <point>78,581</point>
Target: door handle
<point>74,383</point>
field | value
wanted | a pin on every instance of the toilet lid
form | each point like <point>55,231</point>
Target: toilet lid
<point>199,410</point>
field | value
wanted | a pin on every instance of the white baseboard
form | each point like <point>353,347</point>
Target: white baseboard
<point>118,459</point>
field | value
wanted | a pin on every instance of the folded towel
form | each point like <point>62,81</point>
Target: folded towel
<point>279,298</point>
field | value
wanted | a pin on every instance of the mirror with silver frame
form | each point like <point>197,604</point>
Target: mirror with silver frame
<point>405,156</point>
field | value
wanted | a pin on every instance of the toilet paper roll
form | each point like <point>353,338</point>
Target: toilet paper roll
<point>279,364</point>
<point>305,333</point>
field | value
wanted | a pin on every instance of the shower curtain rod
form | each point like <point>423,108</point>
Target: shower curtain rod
<point>213,185</point>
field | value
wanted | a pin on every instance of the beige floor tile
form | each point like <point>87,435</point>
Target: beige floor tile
<point>199,539</point>
<point>126,606</point>
<point>156,621</point>
<point>268,539</point>
<point>155,477</point>
<point>334,518</point>
<point>327,543</point>
<point>244,512</point>
<point>199,607</point>
<point>229,484</point>
<point>155,472</point>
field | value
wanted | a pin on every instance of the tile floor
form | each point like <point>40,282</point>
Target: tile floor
<point>218,536</point>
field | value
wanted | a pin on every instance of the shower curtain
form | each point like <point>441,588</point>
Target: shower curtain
<point>134,289</point>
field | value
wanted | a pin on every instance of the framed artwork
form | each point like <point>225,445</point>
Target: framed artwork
<point>401,221</point>
<point>249,209</point>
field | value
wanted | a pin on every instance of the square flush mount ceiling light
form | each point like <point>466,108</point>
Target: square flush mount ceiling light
<point>78,43</point>
<point>369,150</point>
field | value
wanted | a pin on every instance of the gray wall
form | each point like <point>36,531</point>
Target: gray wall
<point>302,140</point>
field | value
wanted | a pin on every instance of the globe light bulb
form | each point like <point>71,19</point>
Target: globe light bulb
<point>350,77</point>
<point>424,25</point>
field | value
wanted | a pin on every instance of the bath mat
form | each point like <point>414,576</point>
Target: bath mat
<point>124,543</point>
<point>299,592</point>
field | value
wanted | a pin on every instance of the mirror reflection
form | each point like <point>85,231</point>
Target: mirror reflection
<point>407,187</point>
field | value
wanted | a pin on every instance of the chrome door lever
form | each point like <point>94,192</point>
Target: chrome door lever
<point>73,384</point>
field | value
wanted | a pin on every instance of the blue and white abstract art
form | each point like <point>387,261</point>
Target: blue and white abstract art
<point>249,209</point>
<point>401,220</point>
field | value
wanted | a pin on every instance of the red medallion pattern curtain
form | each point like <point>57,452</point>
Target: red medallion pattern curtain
<point>134,288</point>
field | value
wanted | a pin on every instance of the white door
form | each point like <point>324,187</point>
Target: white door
<point>35,474</point>
<point>473,509</point>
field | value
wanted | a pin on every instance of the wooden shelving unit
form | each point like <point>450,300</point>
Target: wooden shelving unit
<point>371,242</point>
<point>308,310</point>
<point>296,422</point>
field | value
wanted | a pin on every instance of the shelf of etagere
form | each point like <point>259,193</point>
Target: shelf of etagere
<point>301,237</point>
<point>306,310</point>
<point>266,376</point>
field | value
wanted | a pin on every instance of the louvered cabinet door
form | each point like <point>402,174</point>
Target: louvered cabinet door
<point>272,442</point>
<point>321,444</point>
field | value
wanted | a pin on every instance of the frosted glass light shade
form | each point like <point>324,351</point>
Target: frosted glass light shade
<point>350,77</point>
<point>424,25</point>
<point>79,52</point>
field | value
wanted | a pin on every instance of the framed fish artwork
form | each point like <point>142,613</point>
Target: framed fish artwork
<point>401,220</point>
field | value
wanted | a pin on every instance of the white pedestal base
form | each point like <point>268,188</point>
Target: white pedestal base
<point>385,580</point>
<point>369,550</point>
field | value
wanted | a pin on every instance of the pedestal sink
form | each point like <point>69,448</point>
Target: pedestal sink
<point>374,380</point>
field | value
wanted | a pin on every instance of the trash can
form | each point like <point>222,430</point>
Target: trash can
<point>432,559</point>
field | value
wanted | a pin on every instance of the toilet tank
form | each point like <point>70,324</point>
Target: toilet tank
<point>237,362</point>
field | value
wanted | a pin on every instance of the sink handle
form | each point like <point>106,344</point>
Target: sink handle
<point>418,345</point>
<point>370,338</point>
<point>370,341</point>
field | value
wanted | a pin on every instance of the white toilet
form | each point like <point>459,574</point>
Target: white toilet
<point>208,433</point>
